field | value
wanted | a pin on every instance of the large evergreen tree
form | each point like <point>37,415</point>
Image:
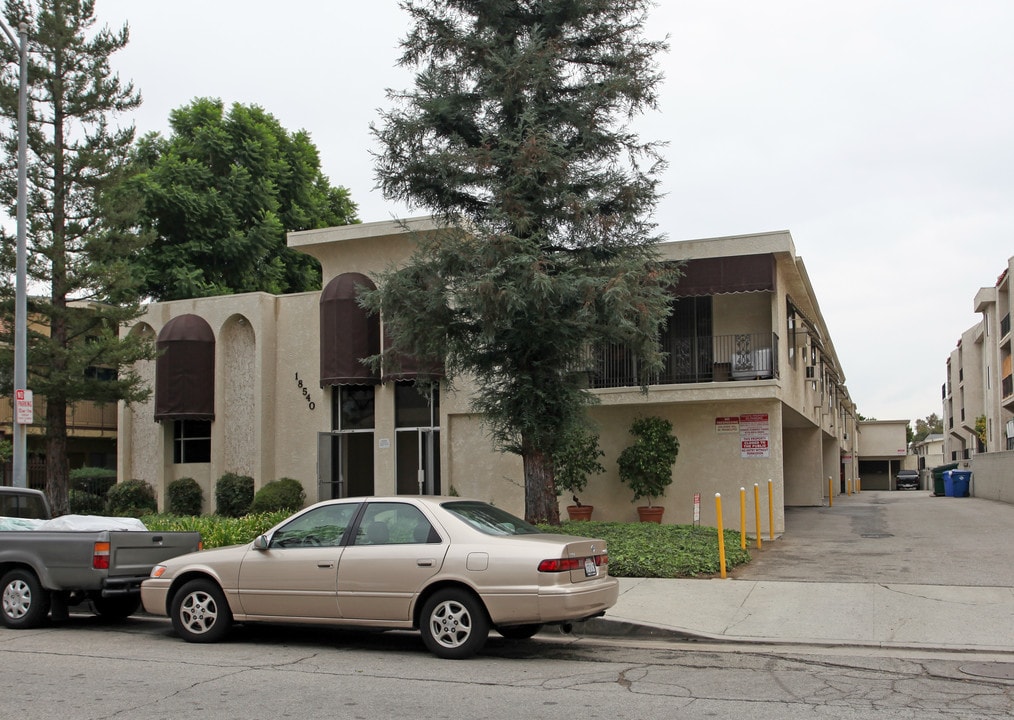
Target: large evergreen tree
<point>74,349</point>
<point>517,133</point>
<point>217,197</point>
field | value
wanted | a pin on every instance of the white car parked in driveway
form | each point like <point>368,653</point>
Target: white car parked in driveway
<point>449,567</point>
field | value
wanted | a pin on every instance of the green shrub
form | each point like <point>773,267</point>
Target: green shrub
<point>282,494</point>
<point>184,497</point>
<point>85,503</point>
<point>234,495</point>
<point>92,480</point>
<point>131,498</point>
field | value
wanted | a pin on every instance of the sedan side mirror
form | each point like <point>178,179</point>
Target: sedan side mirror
<point>261,542</point>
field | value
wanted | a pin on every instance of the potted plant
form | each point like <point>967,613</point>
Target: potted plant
<point>575,459</point>
<point>646,466</point>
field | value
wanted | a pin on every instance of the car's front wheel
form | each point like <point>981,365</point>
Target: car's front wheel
<point>454,624</point>
<point>25,603</point>
<point>200,612</point>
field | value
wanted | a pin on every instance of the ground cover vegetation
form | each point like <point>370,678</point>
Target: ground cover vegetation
<point>648,550</point>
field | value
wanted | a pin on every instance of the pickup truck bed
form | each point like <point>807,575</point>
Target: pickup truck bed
<point>42,570</point>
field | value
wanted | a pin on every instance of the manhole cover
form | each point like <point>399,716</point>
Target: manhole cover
<point>995,670</point>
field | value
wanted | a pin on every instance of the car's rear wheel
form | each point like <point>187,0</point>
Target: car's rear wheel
<point>454,624</point>
<point>519,632</point>
<point>200,612</point>
<point>25,603</point>
<point>117,608</point>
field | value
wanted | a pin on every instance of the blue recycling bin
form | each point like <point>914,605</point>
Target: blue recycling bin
<point>961,480</point>
<point>948,483</point>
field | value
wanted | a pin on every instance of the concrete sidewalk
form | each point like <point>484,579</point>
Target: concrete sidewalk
<point>878,569</point>
<point>860,614</point>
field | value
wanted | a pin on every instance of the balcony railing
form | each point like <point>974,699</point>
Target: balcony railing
<point>709,358</point>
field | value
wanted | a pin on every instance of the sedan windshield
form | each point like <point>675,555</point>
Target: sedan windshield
<point>488,519</point>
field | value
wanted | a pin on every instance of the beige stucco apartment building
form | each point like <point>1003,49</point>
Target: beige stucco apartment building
<point>978,394</point>
<point>270,386</point>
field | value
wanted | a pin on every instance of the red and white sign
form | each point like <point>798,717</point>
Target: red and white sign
<point>727,425</point>
<point>24,407</point>
<point>697,507</point>
<point>754,435</point>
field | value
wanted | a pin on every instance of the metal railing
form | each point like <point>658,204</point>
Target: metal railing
<point>701,359</point>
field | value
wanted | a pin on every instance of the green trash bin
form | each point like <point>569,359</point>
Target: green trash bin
<point>938,478</point>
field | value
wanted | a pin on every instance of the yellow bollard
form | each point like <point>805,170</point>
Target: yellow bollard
<point>721,533</point>
<point>771,510</point>
<point>742,518</point>
<point>848,486</point>
<point>756,512</point>
<point>830,492</point>
<point>859,484</point>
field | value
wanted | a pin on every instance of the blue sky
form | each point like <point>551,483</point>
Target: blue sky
<point>878,132</point>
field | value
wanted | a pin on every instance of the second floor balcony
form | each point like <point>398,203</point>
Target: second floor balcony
<point>700,359</point>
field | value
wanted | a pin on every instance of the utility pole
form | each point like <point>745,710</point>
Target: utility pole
<point>20,478</point>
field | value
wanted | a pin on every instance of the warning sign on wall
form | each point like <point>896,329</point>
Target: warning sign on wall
<point>754,436</point>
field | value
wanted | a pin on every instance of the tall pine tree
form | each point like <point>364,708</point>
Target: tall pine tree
<point>517,132</point>
<point>74,155</point>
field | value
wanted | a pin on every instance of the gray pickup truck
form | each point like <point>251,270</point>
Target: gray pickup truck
<point>43,570</point>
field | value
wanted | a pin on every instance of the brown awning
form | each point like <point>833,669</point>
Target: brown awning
<point>409,367</point>
<point>726,275</point>
<point>348,334</point>
<point>185,370</point>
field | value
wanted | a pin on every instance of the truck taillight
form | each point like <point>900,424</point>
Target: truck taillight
<point>100,556</point>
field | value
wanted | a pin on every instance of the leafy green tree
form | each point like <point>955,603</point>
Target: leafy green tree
<point>932,424</point>
<point>217,197</point>
<point>516,130</point>
<point>74,156</point>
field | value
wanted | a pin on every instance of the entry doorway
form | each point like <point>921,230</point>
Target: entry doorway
<point>417,432</point>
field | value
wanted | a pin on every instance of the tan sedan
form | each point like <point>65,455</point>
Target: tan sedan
<point>450,567</point>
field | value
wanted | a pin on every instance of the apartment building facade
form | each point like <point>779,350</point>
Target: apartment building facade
<point>272,386</point>
<point>978,395</point>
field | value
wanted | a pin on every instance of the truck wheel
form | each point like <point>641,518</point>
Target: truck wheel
<point>200,612</point>
<point>25,601</point>
<point>454,624</point>
<point>117,608</point>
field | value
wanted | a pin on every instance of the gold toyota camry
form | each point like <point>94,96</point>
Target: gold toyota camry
<point>450,567</point>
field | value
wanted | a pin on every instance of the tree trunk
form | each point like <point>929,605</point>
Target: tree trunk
<point>57,472</point>
<point>541,504</point>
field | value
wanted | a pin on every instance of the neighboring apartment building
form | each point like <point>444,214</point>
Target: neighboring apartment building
<point>884,452</point>
<point>91,430</point>
<point>980,381</point>
<point>978,396</point>
<point>272,386</point>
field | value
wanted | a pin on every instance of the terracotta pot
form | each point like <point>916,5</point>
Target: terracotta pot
<point>650,514</point>
<point>580,512</point>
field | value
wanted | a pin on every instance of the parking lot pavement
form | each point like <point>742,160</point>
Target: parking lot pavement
<point>885,569</point>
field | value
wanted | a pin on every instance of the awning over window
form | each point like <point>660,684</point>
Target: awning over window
<point>348,334</point>
<point>185,370</point>
<point>726,275</point>
<point>408,367</point>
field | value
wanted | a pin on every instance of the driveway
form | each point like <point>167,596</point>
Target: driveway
<point>892,537</point>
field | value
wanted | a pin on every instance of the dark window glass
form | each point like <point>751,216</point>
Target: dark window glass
<point>191,441</point>
<point>355,408</point>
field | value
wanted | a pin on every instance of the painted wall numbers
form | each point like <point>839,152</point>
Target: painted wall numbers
<point>306,393</point>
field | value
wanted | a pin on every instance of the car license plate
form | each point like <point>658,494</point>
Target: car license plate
<point>590,568</point>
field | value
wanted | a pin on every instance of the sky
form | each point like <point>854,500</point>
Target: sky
<point>880,133</point>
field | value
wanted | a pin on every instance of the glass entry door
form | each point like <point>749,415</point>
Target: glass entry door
<point>417,435</point>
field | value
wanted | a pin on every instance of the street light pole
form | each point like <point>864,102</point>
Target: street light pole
<point>20,474</point>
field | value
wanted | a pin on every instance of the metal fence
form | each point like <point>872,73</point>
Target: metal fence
<point>710,358</point>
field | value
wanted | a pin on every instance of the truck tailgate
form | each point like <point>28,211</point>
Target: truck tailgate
<point>132,554</point>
